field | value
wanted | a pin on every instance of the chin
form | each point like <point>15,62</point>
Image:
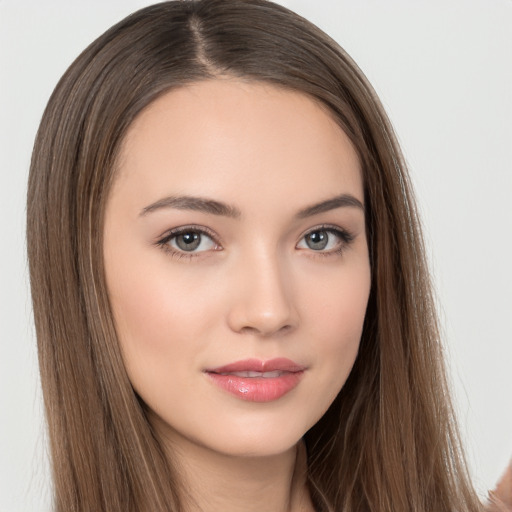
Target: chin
<point>254,444</point>
<point>248,433</point>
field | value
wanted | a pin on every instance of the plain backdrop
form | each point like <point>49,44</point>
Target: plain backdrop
<point>443,69</point>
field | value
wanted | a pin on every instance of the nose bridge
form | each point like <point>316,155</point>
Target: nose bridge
<point>263,303</point>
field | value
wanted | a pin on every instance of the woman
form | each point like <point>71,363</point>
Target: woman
<point>136,385</point>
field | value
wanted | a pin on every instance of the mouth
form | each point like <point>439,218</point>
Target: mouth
<point>257,381</point>
<point>263,375</point>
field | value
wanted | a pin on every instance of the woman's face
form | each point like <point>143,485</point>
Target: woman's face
<point>237,264</point>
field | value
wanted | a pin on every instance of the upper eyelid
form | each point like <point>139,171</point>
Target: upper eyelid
<point>326,227</point>
<point>170,233</point>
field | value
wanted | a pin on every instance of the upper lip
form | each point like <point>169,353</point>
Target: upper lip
<point>257,365</point>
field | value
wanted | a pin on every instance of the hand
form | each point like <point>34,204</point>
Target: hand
<point>500,499</point>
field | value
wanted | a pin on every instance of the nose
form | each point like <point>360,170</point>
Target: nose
<point>263,302</point>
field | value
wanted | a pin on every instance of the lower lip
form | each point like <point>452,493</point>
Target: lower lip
<point>257,389</point>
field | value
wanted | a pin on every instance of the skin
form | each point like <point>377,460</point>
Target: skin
<point>501,496</point>
<point>254,288</point>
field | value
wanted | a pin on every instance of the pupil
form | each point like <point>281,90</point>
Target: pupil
<point>188,241</point>
<point>317,240</point>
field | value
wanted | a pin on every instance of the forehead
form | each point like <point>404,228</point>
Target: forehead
<point>229,139</point>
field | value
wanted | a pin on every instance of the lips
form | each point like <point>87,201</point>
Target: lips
<point>257,381</point>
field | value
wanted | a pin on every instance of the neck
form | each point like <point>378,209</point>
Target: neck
<point>216,482</point>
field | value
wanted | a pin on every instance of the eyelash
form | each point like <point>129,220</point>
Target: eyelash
<point>345,237</point>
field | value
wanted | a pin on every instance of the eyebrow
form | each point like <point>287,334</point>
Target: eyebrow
<point>341,201</point>
<point>199,204</point>
<point>211,206</point>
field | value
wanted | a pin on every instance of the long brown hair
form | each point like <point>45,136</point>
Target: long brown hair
<point>388,442</point>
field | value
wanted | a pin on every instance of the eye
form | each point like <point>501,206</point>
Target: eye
<point>325,240</point>
<point>188,240</point>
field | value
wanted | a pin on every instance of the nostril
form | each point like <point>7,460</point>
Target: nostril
<point>260,331</point>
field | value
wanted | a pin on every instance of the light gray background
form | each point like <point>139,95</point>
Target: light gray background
<point>444,72</point>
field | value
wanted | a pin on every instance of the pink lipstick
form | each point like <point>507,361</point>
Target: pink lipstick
<point>257,381</point>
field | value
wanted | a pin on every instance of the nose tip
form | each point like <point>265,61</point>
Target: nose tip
<point>264,305</point>
<point>246,319</point>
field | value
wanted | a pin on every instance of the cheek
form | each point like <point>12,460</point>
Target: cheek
<point>152,300</point>
<point>335,303</point>
<point>344,315</point>
<point>336,316</point>
<point>160,323</point>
